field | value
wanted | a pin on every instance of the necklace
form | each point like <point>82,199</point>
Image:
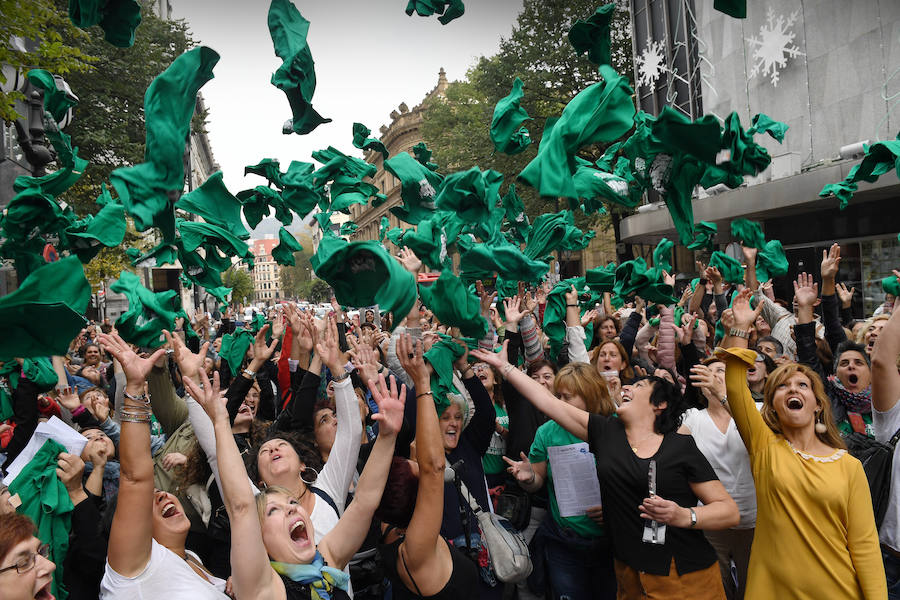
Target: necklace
<point>635,444</point>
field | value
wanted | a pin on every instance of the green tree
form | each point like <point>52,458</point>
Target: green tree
<point>241,284</point>
<point>317,291</point>
<point>456,128</point>
<point>296,278</point>
<point>52,34</point>
<point>108,127</point>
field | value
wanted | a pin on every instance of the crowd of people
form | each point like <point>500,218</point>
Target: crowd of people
<point>290,456</point>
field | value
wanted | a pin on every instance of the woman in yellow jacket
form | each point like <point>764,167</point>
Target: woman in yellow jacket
<point>815,532</point>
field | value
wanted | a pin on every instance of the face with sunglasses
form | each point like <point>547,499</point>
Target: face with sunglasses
<point>26,572</point>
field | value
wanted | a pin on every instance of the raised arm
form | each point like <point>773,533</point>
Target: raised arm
<point>572,419</point>
<point>131,534</point>
<point>885,378</point>
<point>834,333</point>
<point>252,576</point>
<point>806,292</point>
<point>339,544</point>
<point>737,321</point>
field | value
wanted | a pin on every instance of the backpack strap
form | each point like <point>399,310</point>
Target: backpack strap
<point>324,496</point>
<point>894,439</point>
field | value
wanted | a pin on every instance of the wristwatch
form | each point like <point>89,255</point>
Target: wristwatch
<point>741,333</point>
<point>249,374</point>
<point>693,517</point>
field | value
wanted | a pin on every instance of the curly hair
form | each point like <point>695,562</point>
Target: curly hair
<point>831,437</point>
<point>305,449</point>
<point>669,419</point>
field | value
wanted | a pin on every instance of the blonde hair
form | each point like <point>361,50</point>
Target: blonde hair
<point>583,380</point>
<point>263,497</point>
<point>869,324</point>
<point>831,437</point>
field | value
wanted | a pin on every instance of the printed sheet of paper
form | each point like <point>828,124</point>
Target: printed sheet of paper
<point>574,478</point>
<point>54,429</point>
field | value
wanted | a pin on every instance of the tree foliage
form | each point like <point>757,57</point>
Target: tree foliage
<point>108,127</point>
<point>295,280</point>
<point>318,291</point>
<point>57,45</point>
<point>456,128</point>
<point>241,284</point>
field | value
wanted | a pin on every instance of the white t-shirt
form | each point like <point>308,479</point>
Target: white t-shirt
<point>886,425</point>
<point>728,457</point>
<point>167,576</point>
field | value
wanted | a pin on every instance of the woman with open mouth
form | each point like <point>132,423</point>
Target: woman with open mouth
<point>25,571</point>
<point>814,524</point>
<point>147,556</point>
<point>274,553</point>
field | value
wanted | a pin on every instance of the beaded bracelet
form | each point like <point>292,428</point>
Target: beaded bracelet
<point>143,399</point>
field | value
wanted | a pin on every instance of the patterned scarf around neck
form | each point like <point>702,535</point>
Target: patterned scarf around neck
<point>858,402</point>
<point>320,578</point>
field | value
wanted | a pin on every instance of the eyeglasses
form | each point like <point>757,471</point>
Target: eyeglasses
<point>26,563</point>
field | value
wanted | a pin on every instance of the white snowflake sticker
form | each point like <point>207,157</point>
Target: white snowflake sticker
<point>774,45</point>
<point>651,63</point>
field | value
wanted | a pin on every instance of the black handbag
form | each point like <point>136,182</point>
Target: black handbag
<point>877,459</point>
<point>514,504</point>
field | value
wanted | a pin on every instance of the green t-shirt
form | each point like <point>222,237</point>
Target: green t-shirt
<point>552,434</point>
<point>492,461</point>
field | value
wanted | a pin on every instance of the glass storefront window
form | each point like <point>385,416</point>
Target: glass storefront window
<point>877,258</point>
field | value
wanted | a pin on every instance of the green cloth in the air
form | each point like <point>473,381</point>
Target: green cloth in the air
<point>383,228</point>
<point>596,185</point>
<point>880,158</point>
<point>169,104</point>
<point>46,502</point>
<point>749,232</point>
<point>633,278</point>
<point>118,18</point>
<point>336,161</point>
<point>296,76</point>
<point>472,194</point>
<point>234,348</point>
<point>503,258</point>
<point>601,279</point>
<point>771,261</point>
<point>448,9</point>
<point>31,211</point>
<point>591,35</point>
<point>507,132</point>
<point>602,112</point>
<point>362,140</point>
<point>730,268</point>
<point>348,228</point>
<point>441,357</point>
<point>423,155</point>
<point>429,242</point>
<point>257,204</point>
<point>196,233</point>
<point>269,168</point>
<point>514,213</point>
<point>148,312</point>
<point>283,253</point>
<point>555,312</point>
<point>38,370</point>
<point>86,237</point>
<point>732,8</point>
<point>746,156</point>
<point>46,312</point>
<point>555,231</point>
<point>661,255</point>
<point>701,138</point>
<point>891,285</point>
<point>216,205</point>
<point>419,187</point>
<point>56,101</point>
<point>763,123</point>
<point>454,305</point>
<point>364,274</point>
<point>704,236</point>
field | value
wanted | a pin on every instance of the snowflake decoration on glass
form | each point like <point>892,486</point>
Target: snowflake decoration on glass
<point>774,45</point>
<point>651,63</point>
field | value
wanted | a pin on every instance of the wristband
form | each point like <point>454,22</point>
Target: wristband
<point>143,399</point>
<point>741,333</point>
<point>533,477</point>
<point>693,517</point>
<point>337,378</point>
<point>78,410</point>
<point>572,305</point>
<point>507,369</point>
<point>424,394</point>
<point>249,374</point>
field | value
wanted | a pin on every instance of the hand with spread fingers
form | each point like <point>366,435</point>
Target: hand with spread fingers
<point>135,367</point>
<point>188,363</point>
<point>411,356</point>
<point>390,402</point>
<point>208,395</point>
<point>329,350</point>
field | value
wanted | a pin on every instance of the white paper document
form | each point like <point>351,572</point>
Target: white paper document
<point>54,429</point>
<point>574,478</point>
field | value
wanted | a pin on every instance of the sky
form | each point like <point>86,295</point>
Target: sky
<point>370,56</point>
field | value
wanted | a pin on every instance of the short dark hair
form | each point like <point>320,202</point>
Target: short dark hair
<point>537,365</point>
<point>398,501</point>
<point>779,347</point>
<point>669,420</point>
<point>846,346</point>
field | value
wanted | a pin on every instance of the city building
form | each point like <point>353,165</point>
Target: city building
<point>266,273</point>
<point>827,69</point>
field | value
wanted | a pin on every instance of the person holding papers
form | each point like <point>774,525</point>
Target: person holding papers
<point>650,477</point>
<point>575,548</point>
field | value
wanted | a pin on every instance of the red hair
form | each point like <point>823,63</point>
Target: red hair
<point>14,529</point>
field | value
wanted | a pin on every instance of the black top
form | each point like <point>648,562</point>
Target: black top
<point>462,585</point>
<point>624,485</point>
<point>301,591</point>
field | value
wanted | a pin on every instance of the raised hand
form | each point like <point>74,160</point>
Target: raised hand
<point>742,314</point>
<point>68,397</point>
<point>209,396</point>
<point>69,469</point>
<point>409,260</point>
<point>173,459</point>
<point>496,360</point>
<point>845,295</point>
<point>513,309</point>
<point>188,363</point>
<point>261,350</point>
<point>486,298</point>
<point>363,359</point>
<point>704,379</point>
<point>390,403</point>
<point>668,279</point>
<point>96,452</point>
<point>588,317</point>
<point>831,260</point>
<point>571,296</point>
<point>495,318</point>
<point>749,253</point>
<point>278,323</point>
<point>412,360</point>
<point>134,367</point>
<point>329,348</point>
<point>806,291</point>
<point>520,469</point>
